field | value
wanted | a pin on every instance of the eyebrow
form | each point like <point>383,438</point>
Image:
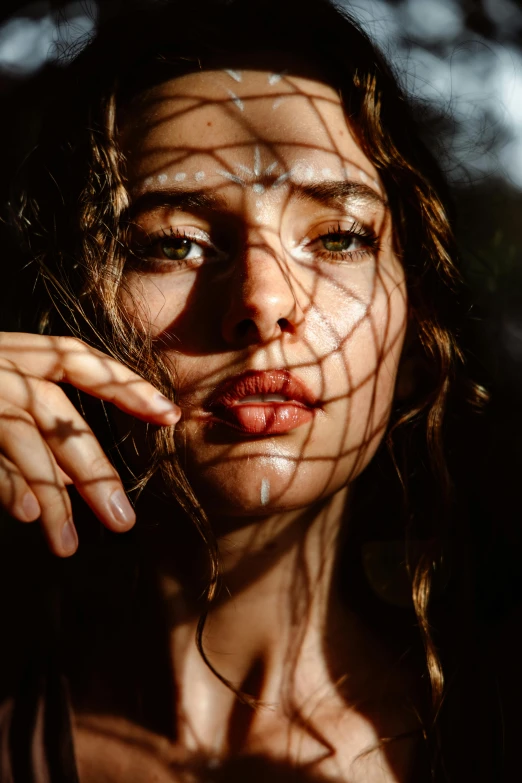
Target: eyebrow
<point>336,193</point>
<point>175,198</point>
<point>328,193</point>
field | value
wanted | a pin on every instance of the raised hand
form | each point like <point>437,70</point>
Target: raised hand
<point>45,443</point>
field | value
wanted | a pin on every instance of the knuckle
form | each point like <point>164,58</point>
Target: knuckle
<point>11,482</point>
<point>16,421</point>
<point>68,343</point>
<point>57,506</point>
<point>101,470</point>
<point>47,394</point>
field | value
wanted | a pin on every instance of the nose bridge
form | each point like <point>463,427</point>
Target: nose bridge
<point>264,266</point>
<point>263,297</point>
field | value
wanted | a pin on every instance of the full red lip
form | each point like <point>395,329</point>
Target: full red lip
<point>263,418</point>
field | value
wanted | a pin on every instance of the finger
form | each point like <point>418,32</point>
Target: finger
<point>21,443</point>
<point>16,497</point>
<point>68,360</point>
<point>67,480</point>
<point>78,455</point>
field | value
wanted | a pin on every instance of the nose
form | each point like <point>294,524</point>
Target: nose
<point>262,305</point>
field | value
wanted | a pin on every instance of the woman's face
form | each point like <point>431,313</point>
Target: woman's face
<point>265,270</point>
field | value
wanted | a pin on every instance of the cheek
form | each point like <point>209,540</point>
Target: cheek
<point>156,301</point>
<point>363,332</point>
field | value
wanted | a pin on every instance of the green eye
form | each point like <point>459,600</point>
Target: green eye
<point>176,248</point>
<point>337,243</point>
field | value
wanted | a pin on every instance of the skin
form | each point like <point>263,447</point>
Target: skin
<point>269,295</point>
<point>261,288</point>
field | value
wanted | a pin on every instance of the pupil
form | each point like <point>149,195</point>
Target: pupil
<point>176,249</point>
<point>337,242</point>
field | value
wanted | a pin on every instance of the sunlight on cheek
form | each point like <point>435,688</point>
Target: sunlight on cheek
<point>335,324</point>
<point>155,302</point>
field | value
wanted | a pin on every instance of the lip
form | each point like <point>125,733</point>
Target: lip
<point>260,417</point>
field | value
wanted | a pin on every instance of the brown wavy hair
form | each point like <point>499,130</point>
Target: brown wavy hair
<point>71,203</point>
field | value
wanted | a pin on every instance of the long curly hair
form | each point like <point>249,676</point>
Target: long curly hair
<point>70,206</point>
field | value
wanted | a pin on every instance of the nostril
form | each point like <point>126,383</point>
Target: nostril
<point>244,327</point>
<point>284,325</point>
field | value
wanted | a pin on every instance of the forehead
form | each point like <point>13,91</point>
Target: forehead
<point>210,116</point>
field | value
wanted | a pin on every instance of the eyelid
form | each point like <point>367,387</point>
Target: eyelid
<point>190,232</point>
<point>345,223</point>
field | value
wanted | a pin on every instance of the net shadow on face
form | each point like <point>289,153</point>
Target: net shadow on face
<point>342,316</point>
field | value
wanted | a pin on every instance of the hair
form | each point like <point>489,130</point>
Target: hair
<point>70,208</point>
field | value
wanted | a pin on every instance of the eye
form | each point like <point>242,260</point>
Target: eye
<point>175,248</point>
<point>179,248</point>
<point>340,242</point>
<point>344,244</point>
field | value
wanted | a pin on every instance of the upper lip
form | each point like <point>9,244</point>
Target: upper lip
<point>254,382</point>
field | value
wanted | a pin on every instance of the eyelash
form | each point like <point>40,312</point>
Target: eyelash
<point>356,230</point>
<point>172,233</point>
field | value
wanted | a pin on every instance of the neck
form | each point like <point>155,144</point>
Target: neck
<point>275,600</point>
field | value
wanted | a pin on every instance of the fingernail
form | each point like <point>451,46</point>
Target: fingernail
<point>121,509</point>
<point>30,506</point>
<point>163,405</point>
<point>69,537</point>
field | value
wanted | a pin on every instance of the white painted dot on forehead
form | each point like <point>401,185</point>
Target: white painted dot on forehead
<point>148,181</point>
<point>162,178</point>
<point>279,181</point>
<point>249,176</point>
<point>354,172</point>
<point>236,75</point>
<point>303,171</point>
<point>199,176</point>
<point>277,103</point>
<point>180,176</point>
<point>257,161</point>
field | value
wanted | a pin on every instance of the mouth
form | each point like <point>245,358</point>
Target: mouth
<point>256,403</point>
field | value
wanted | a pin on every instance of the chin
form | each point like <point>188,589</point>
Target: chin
<point>266,486</point>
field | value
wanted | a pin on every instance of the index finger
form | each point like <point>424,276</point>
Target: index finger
<point>69,360</point>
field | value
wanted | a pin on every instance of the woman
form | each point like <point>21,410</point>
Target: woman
<point>233,208</point>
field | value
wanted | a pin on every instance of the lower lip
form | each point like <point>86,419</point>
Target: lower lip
<point>265,419</point>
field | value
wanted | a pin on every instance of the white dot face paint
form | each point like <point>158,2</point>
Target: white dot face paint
<point>279,181</point>
<point>162,178</point>
<point>199,176</point>
<point>249,177</point>
<point>257,162</point>
<point>180,176</point>
<point>232,177</point>
<point>265,491</point>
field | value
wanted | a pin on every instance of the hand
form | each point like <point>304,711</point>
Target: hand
<point>45,443</point>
